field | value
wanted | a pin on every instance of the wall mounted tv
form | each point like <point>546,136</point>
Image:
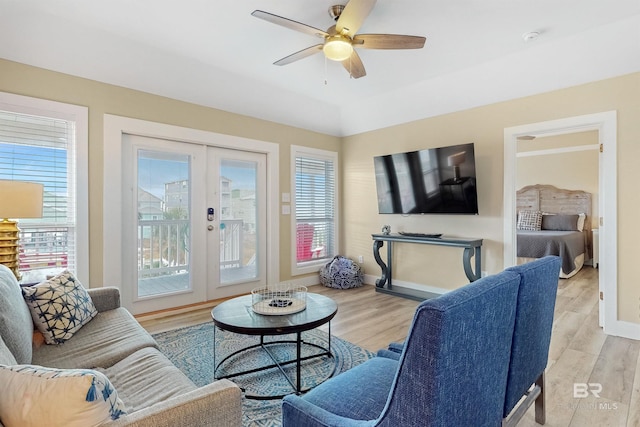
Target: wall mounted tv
<point>432,181</point>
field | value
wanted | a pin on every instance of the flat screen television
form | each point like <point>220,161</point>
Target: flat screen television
<point>431,181</point>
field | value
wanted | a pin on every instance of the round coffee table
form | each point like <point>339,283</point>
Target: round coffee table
<point>236,315</point>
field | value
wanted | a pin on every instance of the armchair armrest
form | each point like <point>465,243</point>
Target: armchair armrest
<point>389,354</point>
<point>218,404</point>
<point>298,412</point>
<point>105,299</point>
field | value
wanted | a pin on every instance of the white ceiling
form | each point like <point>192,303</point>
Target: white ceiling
<point>215,53</point>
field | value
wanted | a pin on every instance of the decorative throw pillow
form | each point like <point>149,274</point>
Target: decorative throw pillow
<point>36,396</point>
<point>560,222</point>
<point>59,307</point>
<point>529,220</point>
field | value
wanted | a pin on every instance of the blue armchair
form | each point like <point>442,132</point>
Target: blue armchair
<point>531,339</point>
<point>452,371</point>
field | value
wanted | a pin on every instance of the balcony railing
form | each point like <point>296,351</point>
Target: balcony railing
<point>231,243</point>
<point>163,246</point>
<point>44,247</point>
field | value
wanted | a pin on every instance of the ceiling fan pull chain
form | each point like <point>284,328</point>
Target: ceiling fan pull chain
<point>325,71</point>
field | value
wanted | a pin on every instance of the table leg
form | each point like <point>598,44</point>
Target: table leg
<point>214,353</point>
<point>298,362</point>
<point>377,244</point>
<point>466,262</point>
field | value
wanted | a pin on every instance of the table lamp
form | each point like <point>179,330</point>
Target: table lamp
<point>456,160</point>
<point>19,200</point>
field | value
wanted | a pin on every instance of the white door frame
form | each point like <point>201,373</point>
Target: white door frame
<point>116,126</point>
<point>606,125</point>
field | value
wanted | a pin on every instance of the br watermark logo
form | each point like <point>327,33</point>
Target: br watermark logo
<point>586,390</point>
<point>582,390</point>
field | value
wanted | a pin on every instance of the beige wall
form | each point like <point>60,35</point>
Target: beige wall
<point>484,126</point>
<point>576,170</point>
<point>108,99</point>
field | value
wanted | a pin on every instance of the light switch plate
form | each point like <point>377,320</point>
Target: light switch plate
<point>286,197</point>
<point>286,210</point>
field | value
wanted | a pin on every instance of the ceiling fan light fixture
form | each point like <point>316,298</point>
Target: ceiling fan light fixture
<point>337,48</point>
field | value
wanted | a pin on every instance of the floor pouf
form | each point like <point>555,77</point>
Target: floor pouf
<point>341,273</point>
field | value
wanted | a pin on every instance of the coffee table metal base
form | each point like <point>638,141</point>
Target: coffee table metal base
<point>297,385</point>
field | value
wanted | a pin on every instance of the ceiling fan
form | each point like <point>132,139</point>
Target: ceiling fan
<point>341,39</point>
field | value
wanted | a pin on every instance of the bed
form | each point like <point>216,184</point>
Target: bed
<point>554,221</point>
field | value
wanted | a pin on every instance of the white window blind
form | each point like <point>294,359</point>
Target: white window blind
<point>42,149</point>
<point>315,208</point>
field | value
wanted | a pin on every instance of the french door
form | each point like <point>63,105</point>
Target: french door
<point>195,222</point>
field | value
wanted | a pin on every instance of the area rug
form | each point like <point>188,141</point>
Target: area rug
<point>191,349</point>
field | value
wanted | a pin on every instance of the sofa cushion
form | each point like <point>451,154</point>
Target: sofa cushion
<point>110,337</point>
<point>59,307</point>
<point>16,326</point>
<point>6,358</point>
<point>56,397</point>
<point>147,377</point>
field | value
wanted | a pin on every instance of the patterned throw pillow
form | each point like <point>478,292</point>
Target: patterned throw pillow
<point>37,396</point>
<point>529,220</point>
<point>341,273</point>
<point>59,307</point>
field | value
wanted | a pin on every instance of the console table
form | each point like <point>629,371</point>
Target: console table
<point>472,247</point>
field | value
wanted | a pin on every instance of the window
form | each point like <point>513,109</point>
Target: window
<point>46,142</point>
<point>315,225</point>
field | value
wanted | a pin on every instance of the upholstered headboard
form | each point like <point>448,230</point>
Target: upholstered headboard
<point>550,199</point>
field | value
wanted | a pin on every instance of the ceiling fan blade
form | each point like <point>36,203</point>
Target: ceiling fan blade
<point>299,55</point>
<point>353,15</point>
<point>288,23</point>
<point>354,66</point>
<point>388,41</point>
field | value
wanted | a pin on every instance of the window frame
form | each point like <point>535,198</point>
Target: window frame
<point>80,116</point>
<point>324,155</point>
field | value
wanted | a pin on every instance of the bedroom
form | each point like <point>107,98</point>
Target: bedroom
<point>567,162</point>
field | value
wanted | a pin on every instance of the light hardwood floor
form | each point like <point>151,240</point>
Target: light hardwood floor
<point>579,353</point>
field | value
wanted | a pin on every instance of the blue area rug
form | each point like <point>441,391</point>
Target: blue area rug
<point>191,349</point>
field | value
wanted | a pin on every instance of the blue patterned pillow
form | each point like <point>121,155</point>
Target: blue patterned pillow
<point>59,307</point>
<point>36,396</point>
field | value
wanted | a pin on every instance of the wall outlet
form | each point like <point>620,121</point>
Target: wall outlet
<point>360,259</point>
<point>484,273</point>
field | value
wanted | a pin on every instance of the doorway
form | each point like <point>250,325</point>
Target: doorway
<point>195,221</point>
<point>195,209</point>
<point>605,125</point>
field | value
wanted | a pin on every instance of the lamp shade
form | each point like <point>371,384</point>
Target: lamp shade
<point>456,159</point>
<point>20,199</point>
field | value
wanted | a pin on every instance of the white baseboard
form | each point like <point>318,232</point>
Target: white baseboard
<point>620,328</point>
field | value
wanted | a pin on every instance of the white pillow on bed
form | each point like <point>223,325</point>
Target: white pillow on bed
<point>581,218</point>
